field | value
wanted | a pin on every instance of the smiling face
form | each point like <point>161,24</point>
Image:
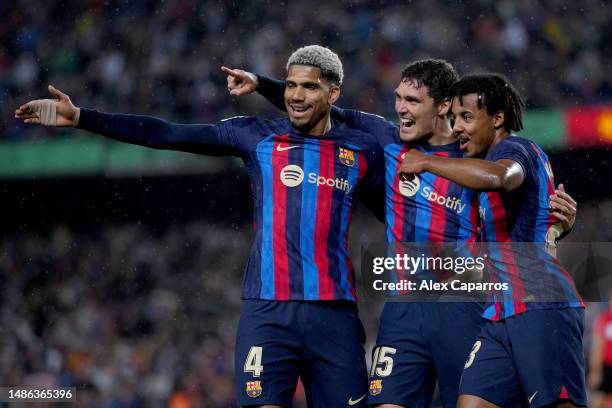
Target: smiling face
<point>308,99</point>
<point>474,127</point>
<point>416,110</point>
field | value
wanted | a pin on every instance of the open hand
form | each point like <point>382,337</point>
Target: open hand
<point>49,112</point>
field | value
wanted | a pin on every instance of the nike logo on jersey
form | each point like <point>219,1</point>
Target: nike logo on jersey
<point>352,402</point>
<point>282,149</point>
<point>532,397</point>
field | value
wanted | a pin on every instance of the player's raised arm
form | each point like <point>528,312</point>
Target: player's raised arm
<point>240,83</point>
<point>273,90</point>
<point>141,130</point>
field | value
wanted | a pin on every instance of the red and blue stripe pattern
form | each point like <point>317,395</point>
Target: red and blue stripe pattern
<point>420,214</point>
<point>429,209</point>
<point>522,216</point>
<point>304,223</point>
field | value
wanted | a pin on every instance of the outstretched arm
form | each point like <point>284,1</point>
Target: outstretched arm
<point>481,175</point>
<point>240,83</point>
<point>141,130</point>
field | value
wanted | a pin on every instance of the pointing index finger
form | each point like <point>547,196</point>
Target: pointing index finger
<point>229,71</point>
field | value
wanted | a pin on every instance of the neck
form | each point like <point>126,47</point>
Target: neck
<point>322,127</point>
<point>500,134</point>
<point>443,132</point>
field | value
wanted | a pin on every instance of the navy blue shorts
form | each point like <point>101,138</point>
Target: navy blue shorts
<point>320,342</point>
<point>419,342</point>
<point>529,360</point>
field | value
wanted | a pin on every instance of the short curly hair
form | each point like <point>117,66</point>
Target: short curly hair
<point>320,57</point>
<point>436,74</point>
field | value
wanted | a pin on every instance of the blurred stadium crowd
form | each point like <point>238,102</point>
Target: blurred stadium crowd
<point>163,58</point>
<point>136,316</point>
<point>130,318</point>
<point>140,318</point>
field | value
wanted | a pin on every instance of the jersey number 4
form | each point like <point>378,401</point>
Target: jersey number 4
<point>253,361</point>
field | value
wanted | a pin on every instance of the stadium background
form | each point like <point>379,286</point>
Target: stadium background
<point>120,267</point>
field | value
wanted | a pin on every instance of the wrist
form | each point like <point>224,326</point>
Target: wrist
<point>256,79</point>
<point>428,163</point>
<point>77,116</point>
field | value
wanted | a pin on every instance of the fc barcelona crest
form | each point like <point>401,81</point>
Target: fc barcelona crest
<point>375,387</point>
<point>346,156</point>
<point>253,389</point>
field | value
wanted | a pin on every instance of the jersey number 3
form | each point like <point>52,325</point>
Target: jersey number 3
<point>472,355</point>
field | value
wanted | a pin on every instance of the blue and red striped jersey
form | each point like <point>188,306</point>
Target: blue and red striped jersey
<point>427,209</point>
<point>431,208</point>
<point>303,189</point>
<point>522,216</point>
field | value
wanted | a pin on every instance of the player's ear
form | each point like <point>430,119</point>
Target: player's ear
<point>444,107</point>
<point>334,94</point>
<point>498,119</point>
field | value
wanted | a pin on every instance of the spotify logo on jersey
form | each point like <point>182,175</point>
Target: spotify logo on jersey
<point>292,175</point>
<point>409,188</point>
